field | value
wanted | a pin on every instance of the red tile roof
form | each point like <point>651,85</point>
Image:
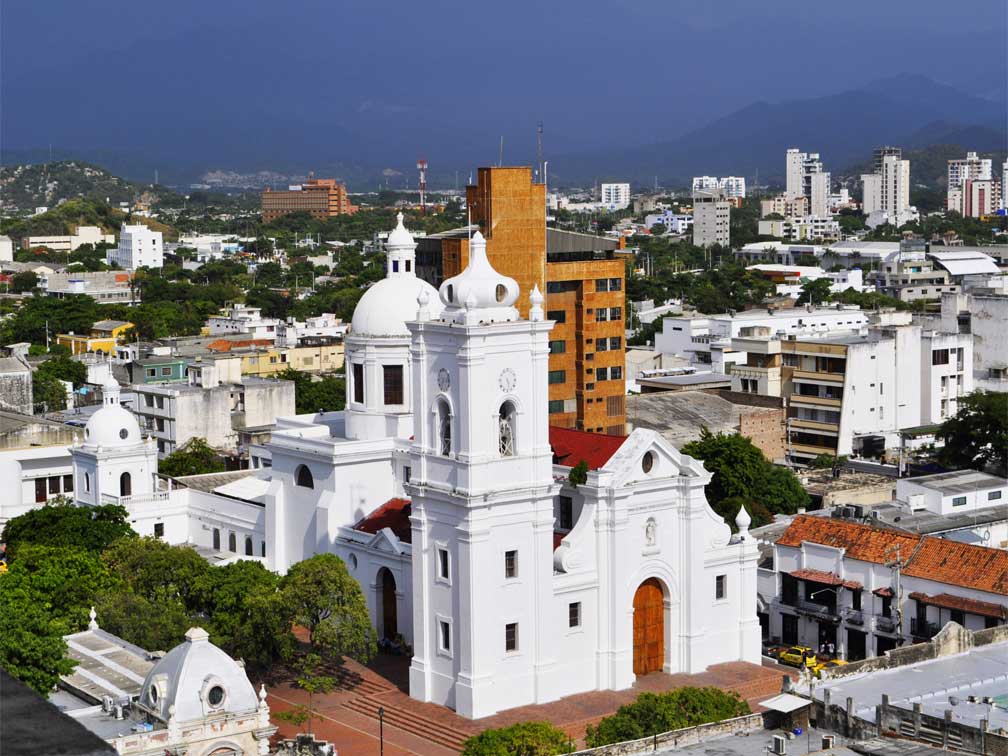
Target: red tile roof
<point>927,557</point>
<point>885,592</point>
<point>224,345</point>
<point>393,514</point>
<point>826,578</point>
<point>973,606</point>
<point>955,563</point>
<point>571,446</point>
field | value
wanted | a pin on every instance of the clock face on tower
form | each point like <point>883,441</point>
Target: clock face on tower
<point>507,380</point>
<point>443,379</point>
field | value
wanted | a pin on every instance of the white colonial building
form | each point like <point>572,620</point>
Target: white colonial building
<point>139,247</point>
<point>448,496</point>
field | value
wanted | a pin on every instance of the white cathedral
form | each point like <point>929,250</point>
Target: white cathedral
<point>447,495</point>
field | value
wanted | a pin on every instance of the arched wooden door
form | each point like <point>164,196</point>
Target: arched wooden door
<point>648,628</point>
<point>389,624</point>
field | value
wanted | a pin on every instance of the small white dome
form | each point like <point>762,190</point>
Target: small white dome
<point>112,426</point>
<point>399,237</point>
<point>479,286</point>
<point>387,306</point>
<point>198,680</point>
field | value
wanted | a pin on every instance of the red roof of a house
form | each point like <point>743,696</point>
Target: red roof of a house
<point>973,606</point>
<point>224,345</point>
<point>955,563</point>
<point>571,446</point>
<point>393,514</point>
<point>826,578</point>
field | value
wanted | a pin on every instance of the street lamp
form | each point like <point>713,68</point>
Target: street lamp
<point>381,730</point>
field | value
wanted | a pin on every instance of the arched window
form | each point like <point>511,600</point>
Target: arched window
<point>232,543</point>
<point>444,429</point>
<point>216,539</point>
<point>248,546</point>
<point>262,549</point>
<point>87,482</point>
<point>506,429</point>
<point>303,477</point>
<point>125,485</point>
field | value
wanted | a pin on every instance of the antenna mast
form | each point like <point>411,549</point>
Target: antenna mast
<point>539,151</point>
<point>500,154</point>
<point>422,167</point>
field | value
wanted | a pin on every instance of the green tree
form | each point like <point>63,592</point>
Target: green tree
<point>32,648</point>
<point>26,280</point>
<point>654,713</point>
<point>329,604</point>
<point>327,394</point>
<point>815,292</point>
<point>158,571</point>
<point>827,462</point>
<point>154,625</point>
<point>311,680</point>
<point>48,394</point>
<point>64,368</point>
<point>521,739</point>
<point>195,457</point>
<point>740,470</point>
<point>977,436</point>
<point>63,525</point>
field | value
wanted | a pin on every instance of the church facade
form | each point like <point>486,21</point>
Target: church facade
<point>450,499</point>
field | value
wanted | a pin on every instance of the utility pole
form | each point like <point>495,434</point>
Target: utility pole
<point>897,566</point>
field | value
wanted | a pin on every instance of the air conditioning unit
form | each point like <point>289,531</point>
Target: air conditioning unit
<point>778,745</point>
<point>106,704</point>
<point>828,741</point>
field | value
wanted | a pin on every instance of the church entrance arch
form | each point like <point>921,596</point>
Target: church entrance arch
<point>649,627</point>
<point>387,588</point>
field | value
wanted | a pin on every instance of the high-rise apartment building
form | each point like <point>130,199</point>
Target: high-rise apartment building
<point>970,168</point>
<point>582,277</point>
<point>805,177</point>
<point>615,196</point>
<point>888,190</point>
<point>879,154</point>
<point>731,186</point>
<point>139,247</point>
<point>711,219</point>
<point>320,198</point>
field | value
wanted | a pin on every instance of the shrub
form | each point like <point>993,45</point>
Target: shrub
<point>522,739</point>
<point>653,713</point>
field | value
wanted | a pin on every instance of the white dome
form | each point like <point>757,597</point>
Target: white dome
<point>112,426</point>
<point>400,237</point>
<point>387,306</point>
<point>198,680</point>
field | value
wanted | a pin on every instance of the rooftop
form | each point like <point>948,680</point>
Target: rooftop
<point>393,514</point>
<point>680,415</point>
<point>571,446</point>
<point>25,431</point>
<point>959,481</point>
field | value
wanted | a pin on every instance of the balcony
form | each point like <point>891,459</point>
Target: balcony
<point>885,624</point>
<point>825,612</point>
<point>817,401</point>
<point>810,375</point>
<point>136,500</point>
<point>814,425</point>
<point>813,450</point>
<point>853,616</point>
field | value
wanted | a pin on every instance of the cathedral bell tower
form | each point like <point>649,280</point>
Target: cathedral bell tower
<point>482,489</point>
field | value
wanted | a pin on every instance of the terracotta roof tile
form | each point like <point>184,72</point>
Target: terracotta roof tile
<point>973,606</point>
<point>571,446</point>
<point>955,563</point>
<point>393,514</point>
<point>826,578</point>
<point>863,542</point>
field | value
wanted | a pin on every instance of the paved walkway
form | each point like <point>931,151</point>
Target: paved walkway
<point>348,717</point>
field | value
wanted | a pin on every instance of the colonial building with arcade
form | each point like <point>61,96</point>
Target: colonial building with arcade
<point>449,497</point>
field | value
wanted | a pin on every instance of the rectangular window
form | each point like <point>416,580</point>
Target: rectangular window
<point>358,383</point>
<point>40,490</point>
<point>555,406</point>
<point>558,347</point>
<point>54,484</point>
<point>444,637</point>
<point>166,371</point>
<point>574,614</point>
<point>615,373</point>
<point>406,471</point>
<point>557,376</point>
<point>444,564</point>
<point>856,600</point>
<point>511,636</point>
<point>602,346</point>
<point>393,375</point>
<point>959,501</point>
<point>600,374</point>
<point>601,315</point>
<point>615,284</point>
<point>602,284</point>
<point>566,513</point>
<point>615,342</point>
<point>159,530</point>
<point>510,564</point>
<point>993,495</point>
<point>558,316</point>
<point>615,313</point>
<point>68,484</point>
<point>151,372</point>
<point>940,357</point>
<point>720,587</point>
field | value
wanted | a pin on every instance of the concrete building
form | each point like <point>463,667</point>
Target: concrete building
<point>910,275</point>
<point>887,193</point>
<point>782,205</point>
<point>711,219</point>
<point>982,317</point>
<point>780,252</point>
<point>16,380</point>
<point>615,196</point>
<point>320,198</point>
<point>790,279</point>
<point>803,228</point>
<point>730,186</point>
<point>104,337</point>
<point>581,275</point>
<point>319,327</point>
<point>103,286</point>
<point>970,168</point>
<point>868,590</point>
<point>81,235</point>
<point>949,377</point>
<point>217,408</point>
<point>975,198</point>
<point>675,223</point>
<point>6,249</point>
<point>805,177</point>
<point>953,493</point>
<point>240,318</point>
<point>139,247</point>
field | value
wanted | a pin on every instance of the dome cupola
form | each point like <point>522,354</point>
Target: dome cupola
<point>479,294</point>
<point>400,251</point>
<point>112,426</point>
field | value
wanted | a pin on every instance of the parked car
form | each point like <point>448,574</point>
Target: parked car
<point>818,668</point>
<point>799,656</point>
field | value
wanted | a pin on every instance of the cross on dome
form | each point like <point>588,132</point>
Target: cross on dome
<point>479,294</point>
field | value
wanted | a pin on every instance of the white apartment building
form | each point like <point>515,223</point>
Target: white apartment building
<point>982,317</point>
<point>708,340</point>
<point>948,377</point>
<point>730,186</point>
<point>805,178</point>
<point>887,193</point>
<point>975,198</point>
<point>784,253</point>
<point>615,196</point>
<point>324,326</point>
<point>6,249</point>
<point>970,168</point>
<point>711,219</point>
<point>802,228</point>
<point>675,223</point>
<point>82,235</point>
<point>784,206</point>
<point>953,492</point>
<point>868,589</point>
<point>139,247</point>
<point>240,318</point>
<point>791,278</point>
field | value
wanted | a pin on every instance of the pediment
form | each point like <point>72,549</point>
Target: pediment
<point>386,542</point>
<point>648,456</point>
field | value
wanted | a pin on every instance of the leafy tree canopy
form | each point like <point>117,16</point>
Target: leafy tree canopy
<point>522,739</point>
<point>325,395</point>
<point>63,525</point>
<point>977,436</point>
<point>195,457</point>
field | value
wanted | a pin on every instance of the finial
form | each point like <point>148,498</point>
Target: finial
<point>93,624</point>
<point>399,220</point>
<point>743,521</point>
<point>262,692</point>
<point>536,300</point>
<point>423,299</point>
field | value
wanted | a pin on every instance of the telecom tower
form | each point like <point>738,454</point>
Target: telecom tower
<point>422,167</point>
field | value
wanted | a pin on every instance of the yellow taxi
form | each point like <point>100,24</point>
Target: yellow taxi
<point>818,668</point>
<point>799,656</point>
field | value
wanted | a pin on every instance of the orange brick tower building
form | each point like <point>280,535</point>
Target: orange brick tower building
<point>320,198</point>
<point>583,279</point>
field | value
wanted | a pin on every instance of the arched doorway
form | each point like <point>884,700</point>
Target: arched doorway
<point>387,584</point>
<point>649,628</point>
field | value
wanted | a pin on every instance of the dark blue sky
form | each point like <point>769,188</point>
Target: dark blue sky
<point>266,83</point>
